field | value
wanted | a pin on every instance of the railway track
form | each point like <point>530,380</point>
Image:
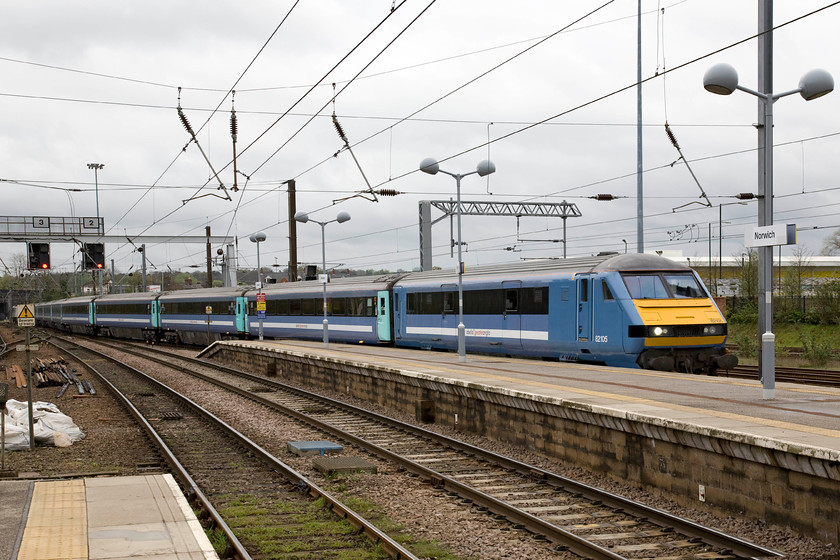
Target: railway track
<point>805,376</point>
<point>239,485</point>
<point>575,517</point>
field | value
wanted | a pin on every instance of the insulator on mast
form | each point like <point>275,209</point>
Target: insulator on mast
<point>185,122</point>
<point>338,128</point>
<point>671,136</point>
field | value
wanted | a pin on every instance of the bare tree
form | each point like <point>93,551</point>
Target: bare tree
<point>748,276</point>
<point>792,280</point>
<point>831,246</point>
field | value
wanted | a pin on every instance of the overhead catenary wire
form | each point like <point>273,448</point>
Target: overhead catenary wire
<point>676,145</point>
<point>193,138</point>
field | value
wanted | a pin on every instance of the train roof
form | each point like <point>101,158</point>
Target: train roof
<point>351,283</point>
<point>612,261</point>
<point>547,267</point>
<point>537,267</point>
<point>69,301</point>
<point>143,297</point>
<point>639,262</point>
<point>204,293</point>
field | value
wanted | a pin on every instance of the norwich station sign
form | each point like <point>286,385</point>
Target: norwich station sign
<point>771,236</point>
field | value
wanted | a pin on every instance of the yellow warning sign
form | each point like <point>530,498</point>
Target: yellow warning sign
<point>25,313</point>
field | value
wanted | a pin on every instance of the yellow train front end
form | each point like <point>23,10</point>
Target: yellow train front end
<point>678,326</point>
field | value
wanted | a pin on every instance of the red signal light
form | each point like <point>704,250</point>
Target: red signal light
<point>98,265</point>
<point>45,266</point>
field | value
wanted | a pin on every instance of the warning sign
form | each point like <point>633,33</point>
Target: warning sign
<point>25,312</point>
<point>24,315</point>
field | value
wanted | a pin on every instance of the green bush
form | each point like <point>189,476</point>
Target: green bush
<point>747,344</point>
<point>797,317</point>
<point>816,349</point>
<point>827,300</point>
<point>745,311</point>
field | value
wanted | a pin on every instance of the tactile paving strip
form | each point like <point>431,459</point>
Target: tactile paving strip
<point>56,528</point>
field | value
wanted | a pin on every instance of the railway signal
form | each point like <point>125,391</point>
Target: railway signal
<point>39,256</point>
<point>93,256</point>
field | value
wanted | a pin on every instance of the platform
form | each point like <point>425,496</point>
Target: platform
<point>100,518</point>
<point>698,438</point>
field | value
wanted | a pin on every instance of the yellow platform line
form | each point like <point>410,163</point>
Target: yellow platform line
<point>56,527</point>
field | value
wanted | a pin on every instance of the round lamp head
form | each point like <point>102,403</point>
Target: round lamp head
<point>485,167</point>
<point>816,83</point>
<point>257,237</point>
<point>342,217</point>
<point>721,79</point>
<point>301,217</point>
<point>430,166</point>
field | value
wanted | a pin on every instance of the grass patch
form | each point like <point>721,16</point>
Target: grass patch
<point>375,513</point>
<point>276,528</point>
<point>219,541</point>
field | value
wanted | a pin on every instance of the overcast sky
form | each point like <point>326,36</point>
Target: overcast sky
<point>549,84</point>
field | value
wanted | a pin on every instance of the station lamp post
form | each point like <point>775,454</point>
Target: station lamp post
<point>342,217</point>
<point>486,167</point>
<point>258,238</point>
<point>722,79</point>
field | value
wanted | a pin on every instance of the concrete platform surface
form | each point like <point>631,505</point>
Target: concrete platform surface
<point>100,518</point>
<point>801,416</point>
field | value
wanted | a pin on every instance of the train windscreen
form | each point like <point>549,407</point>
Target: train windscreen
<point>663,286</point>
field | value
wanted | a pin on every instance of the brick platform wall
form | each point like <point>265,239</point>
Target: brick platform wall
<point>780,487</point>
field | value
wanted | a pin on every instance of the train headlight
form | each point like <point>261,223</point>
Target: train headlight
<point>659,331</point>
<point>712,329</point>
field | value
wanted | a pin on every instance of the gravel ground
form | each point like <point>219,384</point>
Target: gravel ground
<point>113,444</point>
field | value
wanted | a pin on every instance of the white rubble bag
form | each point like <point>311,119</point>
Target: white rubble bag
<point>16,438</point>
<point>51,426</point>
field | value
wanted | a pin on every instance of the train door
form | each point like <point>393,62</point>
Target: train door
<point>511,319</point>
<point>584,312</point>
<point>241,309</point>
<point>383,315</point>
<point>400,311</point>
<point>91,314</point>
<point>449,314</point>
<point>155,314</point>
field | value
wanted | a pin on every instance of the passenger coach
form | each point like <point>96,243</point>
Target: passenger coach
<point>358,310</point>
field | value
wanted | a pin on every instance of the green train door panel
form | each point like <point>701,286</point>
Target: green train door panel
<point>383,315</point>
<point>242,315</point>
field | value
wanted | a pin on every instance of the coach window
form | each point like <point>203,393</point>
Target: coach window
<point>605,289</point>
<point>511,301</point>
<point>294,307</point>
<point>450,302</point>
<point>337,306</point>
<point>308,306</point>
<point>584,289</point>
<point>533,301</point>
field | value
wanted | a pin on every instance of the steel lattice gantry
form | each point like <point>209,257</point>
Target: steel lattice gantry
<point>478,208</point>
